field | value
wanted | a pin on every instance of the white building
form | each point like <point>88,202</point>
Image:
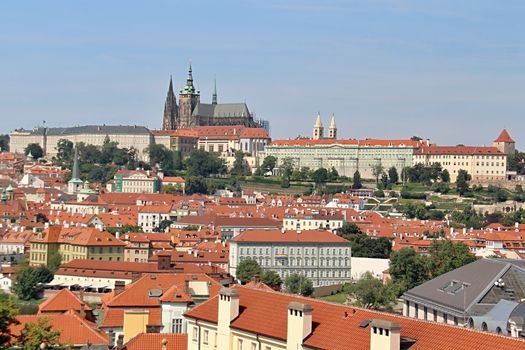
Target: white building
<point>321,256</point>
<point>150,216</point>
<point>311,219</point>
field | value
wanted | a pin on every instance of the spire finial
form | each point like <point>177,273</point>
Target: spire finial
<point>214,96</point>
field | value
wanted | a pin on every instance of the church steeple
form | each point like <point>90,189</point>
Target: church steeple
<point>75,184</point>
<point>189,89</point>
<point>169,121</point>
<point>189,97</point>
<point>318,128</point>
<point>332,129</point>
<point>214,96</point>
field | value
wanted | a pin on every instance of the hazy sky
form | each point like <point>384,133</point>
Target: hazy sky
<point>452,71</point>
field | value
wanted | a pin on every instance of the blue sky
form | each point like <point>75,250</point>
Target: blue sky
<point>452,71</point>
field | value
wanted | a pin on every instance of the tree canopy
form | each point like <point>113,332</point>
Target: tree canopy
<point>272,279</point>
<point>357,181</point>
<point>247,269</point>
<point>299,284</point>
<point>202,163</point>
<point>8,312</point>
<point>35,149</point>
<point>35,333</point>
<point>364,246</point>
<point>29,281</point>
<point>370,292</point>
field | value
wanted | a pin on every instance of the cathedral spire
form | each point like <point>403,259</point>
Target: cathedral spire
<point>76,168</point>
<point>189,89</point>
<point>169,121</point>
<point>214,96</point>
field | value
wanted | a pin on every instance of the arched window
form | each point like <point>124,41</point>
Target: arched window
<point>498,330</point>
<point>484,327</point>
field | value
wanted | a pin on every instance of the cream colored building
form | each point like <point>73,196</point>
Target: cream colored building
<point>136,137</point>
<point>484,164</point>
<point>135,181</point>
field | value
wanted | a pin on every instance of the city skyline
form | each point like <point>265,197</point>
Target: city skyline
<point>435,70</point>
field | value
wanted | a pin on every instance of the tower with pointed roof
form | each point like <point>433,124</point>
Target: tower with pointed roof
<point>171,110</point>
<point>504,143</point>
<point>75,184</point>
<point>189,97</point>
<point>214,96</point>
<point>332,129</point>
<point>318,132</point>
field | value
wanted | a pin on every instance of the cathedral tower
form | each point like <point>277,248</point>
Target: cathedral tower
<point>214,96</point>
<point>189,97</point>
<point>171,110</point>
<point>332,129</point>
<point>318,128</point>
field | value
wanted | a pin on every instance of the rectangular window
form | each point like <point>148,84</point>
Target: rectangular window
<point>239,344</point>
<point>195,334</point>
<point>205,337</point>
<point>176,325</point>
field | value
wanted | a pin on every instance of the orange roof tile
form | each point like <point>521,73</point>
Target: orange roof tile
<point>153,341</point>
<point>336,326</point>
<point>504,136</point>
<point>62,301</point>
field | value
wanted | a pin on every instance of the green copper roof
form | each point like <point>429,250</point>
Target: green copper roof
<point>189,89</point>
<point>9,188</point>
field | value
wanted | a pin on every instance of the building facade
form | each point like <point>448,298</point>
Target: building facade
<point>136,137</point>
<point>484,164</point>
<point>321,256</point>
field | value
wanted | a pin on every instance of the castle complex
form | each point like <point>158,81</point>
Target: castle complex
<point>190,112</point>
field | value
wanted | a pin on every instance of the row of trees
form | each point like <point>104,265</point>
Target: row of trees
<point>363,245</point>
<point>295,283</point>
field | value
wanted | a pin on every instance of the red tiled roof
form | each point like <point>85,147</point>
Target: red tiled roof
<point>504,137</point>
<point>336,326</point>
<point>370,142</point>
<point>73,329</point>
<point>153,341</point>
<point>462,150</point>
<point>307,236</point>
<point>62,301</point>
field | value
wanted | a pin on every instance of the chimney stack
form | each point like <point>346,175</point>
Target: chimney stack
<point>299,324</point>
<point>119,287</point>
<point>385,335</point>
<point>228,310</point>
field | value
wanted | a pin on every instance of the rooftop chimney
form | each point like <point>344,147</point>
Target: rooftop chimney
<point>228,310</point>
<point>385,335</point>
<point>119,287</point>
<point>299,324</point>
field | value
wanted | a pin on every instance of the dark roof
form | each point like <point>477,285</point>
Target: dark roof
<point>91,129</point>
<point>227,110</point>
<point>447,290</point>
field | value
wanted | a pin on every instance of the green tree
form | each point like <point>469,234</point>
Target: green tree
<point>445,176</point>
<point>333,175</point>
<point>357,181</point>
<point>202,163</point>
<point>299,284</point>
<point>462,180</point>
<point>163,226</point>
<point>29,281</point>
<point>160,155</point>
<point>377,171</point>
<point>269,163</point>
<point>408,268</point>
<point>35,149</point>
<point>4,144</point>
<point>393,177</point>
<point>272,279</point>
<point>364,246</point>
<point>446,256</point>
<point>247,269</point>
<point>370,293</point>
<point>34,334</point>
<point>172,189</point>
<point>286,168</point>
<point>55,260</point>
<point>65,151</point>
<point>240,166</point>
<point>8,312</point>
<point>196,184</point>
<point>320,176</point>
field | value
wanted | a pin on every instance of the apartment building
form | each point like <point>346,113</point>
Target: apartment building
<point>312,219</point>
<point>319,255</point>
<point>135,181</point>
<point>74,243</point>
<point>150,216</point>
<point>243,318</point>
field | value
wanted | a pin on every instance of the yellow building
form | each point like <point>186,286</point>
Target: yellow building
<point>484,164</point>
<point>74,243</point>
